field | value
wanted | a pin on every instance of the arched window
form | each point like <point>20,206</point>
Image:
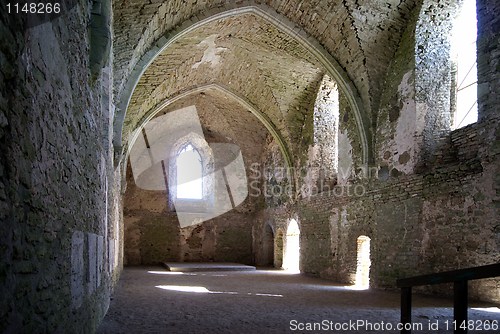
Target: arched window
<point>189,173</point>
<point>464,50</point>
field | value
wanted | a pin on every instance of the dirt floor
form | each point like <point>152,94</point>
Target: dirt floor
<point>153,300</point>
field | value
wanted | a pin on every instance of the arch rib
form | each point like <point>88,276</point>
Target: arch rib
<point>281,22</point>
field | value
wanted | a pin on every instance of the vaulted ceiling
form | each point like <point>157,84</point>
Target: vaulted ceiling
<point>160,53</point>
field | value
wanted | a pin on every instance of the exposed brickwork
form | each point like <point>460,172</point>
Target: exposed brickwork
<point>440,220</point>
<point>428,198</point>
<point>358,53</point>
<point>153,236</point>
<point>263,78</point>
<point>488,62</point>
<point>438,216</point>
<point>152,232</point>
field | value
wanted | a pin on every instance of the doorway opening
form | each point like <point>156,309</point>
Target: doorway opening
<point>363,263</point>
<point>291,261</point>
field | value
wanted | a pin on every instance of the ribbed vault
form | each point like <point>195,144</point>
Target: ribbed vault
<point>359,36</point>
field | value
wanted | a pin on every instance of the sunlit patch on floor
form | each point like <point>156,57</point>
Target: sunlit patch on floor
<point>165,272</point>
<point>332,287</point>
<point>180,288</point>
<point>487,309</point>
<point>356,287</point>
<point>277,272</point>
<point>267,295</point>
<point>182,273</point>
<point>202,289</point>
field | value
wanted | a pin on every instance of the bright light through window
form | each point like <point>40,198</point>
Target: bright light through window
<point>291,259</point>
<point>363,265</point>
<point>464,47</point>
<point>189,174</point>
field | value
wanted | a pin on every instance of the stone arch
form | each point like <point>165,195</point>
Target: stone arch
<point>236,97</point>
<point>268,124</point>
<point>332,67</point>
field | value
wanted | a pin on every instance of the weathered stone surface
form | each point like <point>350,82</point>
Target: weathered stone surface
<point>427,207</point>
<point>361,36</point>
<point>427,197</point>
<point>52,136</point>
<point>77,265</point>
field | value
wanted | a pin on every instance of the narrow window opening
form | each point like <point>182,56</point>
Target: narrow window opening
<point>363,263</point>
<point>326,127</point>
<point>189,173</point>
<point>291,261</point>
<point>464,50</point>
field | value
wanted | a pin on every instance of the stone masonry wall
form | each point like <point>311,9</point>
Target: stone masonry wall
<point>444,219</point>
<point>425,212</point>
<point>59,229</point>
<point>153,235</point>
<point>441,220</point>
<point>488,63</point>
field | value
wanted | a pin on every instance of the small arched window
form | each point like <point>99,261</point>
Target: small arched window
<point>189,170</point>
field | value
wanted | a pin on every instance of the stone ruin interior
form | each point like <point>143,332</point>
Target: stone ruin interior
<point>354,142</point>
